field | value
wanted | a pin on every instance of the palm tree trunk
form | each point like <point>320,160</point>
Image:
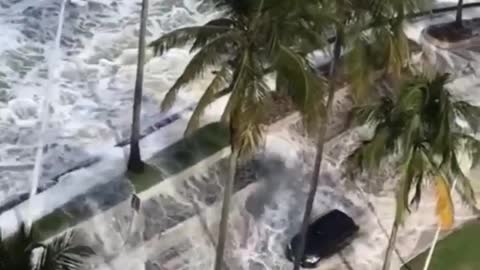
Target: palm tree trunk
<point>135,163</point>
<point>227,196</point>
<point>459,17</point>
<point>391,245</point>
<point>319,154</point>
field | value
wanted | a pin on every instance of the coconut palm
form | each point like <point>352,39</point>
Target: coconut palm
<point>321,133</point>
<point>418,128</point>
<point>21,252</point>
<point>253,40</point>
<point>135,163</point>
<point>384,20</point>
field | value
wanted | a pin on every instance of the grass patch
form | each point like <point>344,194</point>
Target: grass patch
<point>143,181</point>
<point>181,155</point>
<point>459,251</point>
<point>52,224</point>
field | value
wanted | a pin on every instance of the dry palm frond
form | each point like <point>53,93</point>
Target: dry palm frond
<point>444,209</point>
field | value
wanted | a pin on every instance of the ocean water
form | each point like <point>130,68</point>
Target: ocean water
<point>94,79</point>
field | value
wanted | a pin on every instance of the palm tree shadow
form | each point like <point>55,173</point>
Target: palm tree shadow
<point>204,225</point>
<point>344,260</point>
<point>378,220</point>
<point>371,207</point>
<point>203,222</point>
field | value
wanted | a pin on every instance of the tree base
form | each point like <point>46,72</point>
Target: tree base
<point>451,32</point>
<point>453,35</point>
<point>136,166</point>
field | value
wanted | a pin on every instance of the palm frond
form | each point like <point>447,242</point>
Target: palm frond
<point>63,253</point>
<point>468,113</point>
<point>468,144</point>
<point>402,202</point>
<point>359,69</point>
<point>417,195</point>
<point>304,87</point>
<point>251,111</point>
<point>182,37</point>
<point>210,55</point>
<point>205,34</point>
<point>292,67</point>
<point>222,78</point>
<point>419,169</point>
<point>373,113</point>
<point>464,186</point>
<point>374,150</point>
<point>444,209</point>
<point>413,132</point>
<point>412,97</point>
<point>237,86</point>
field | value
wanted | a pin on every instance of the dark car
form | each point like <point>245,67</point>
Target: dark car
<point>325,237</point>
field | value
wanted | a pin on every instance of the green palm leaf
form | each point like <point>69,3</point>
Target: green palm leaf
<point>237,86</point>
<point>405,184</point>
<point>63,253</point>
<point>248,119</point>
<point>222,78</point>
<point>206,34</point>
<point>373,113</point>
<point>304,87</point>
<point>183,36</point>
<point>210,55</point>
<point>359,69</point>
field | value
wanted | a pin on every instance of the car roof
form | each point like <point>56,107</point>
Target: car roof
<point>326,232</point>
<point>332,221</point>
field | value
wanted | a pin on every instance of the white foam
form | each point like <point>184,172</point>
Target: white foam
<point>99,47</point>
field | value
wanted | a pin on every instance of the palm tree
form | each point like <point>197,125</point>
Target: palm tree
<point>350,19</point>
<point>135,163</point>
<point>17,253</point>
<point>417,127</point>
<point>319,148</point>
<point>252,41</point>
